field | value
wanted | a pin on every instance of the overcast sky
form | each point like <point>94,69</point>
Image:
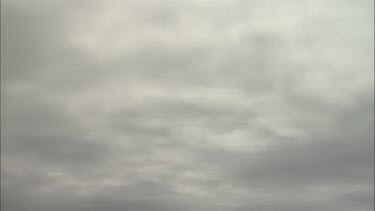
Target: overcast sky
<point>187,105</point>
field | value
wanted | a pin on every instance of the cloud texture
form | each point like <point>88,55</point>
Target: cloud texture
<point>155,105</point>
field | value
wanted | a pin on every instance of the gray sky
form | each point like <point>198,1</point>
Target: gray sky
<point>187,105</point>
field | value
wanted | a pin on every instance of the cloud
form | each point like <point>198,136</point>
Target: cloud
<point>196,105</point>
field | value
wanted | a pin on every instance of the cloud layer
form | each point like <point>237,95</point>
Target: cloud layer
<point>158,105</point>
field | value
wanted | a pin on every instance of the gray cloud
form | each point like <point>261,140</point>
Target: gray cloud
<point>197,105</point>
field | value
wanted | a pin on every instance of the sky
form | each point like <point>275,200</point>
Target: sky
<point>187,105</point>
